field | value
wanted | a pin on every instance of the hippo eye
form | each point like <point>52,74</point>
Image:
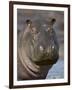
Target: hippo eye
<point>35,31</point>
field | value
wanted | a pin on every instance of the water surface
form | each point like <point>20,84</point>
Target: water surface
<point>57,71</point>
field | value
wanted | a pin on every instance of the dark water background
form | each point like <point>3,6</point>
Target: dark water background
<point>57,71</point>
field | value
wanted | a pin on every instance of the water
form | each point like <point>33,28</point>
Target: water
<point>57,71</point>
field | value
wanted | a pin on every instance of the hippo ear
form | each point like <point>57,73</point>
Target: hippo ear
<point>53,21</point>
<point>28,22</point>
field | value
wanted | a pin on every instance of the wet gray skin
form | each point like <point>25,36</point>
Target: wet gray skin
<point>38,50</point>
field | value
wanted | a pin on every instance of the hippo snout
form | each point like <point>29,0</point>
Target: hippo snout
<point>49,56</point>
<point>50,51</point>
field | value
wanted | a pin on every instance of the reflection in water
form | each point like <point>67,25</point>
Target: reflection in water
<point>57,71</point>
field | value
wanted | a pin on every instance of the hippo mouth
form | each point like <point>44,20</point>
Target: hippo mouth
<point>47,61</point>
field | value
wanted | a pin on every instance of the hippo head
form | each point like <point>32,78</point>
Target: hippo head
<point>40,42</point>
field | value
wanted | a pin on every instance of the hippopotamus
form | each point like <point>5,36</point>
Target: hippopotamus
<point>37,50</point>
